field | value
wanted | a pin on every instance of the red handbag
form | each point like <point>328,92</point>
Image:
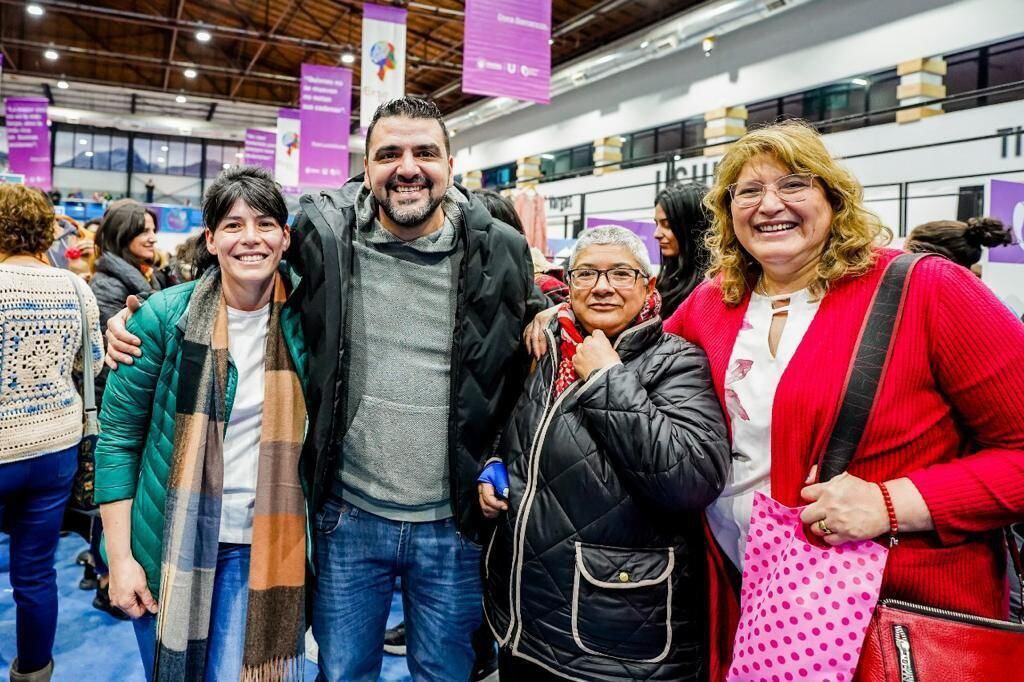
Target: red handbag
<point>909,642</point>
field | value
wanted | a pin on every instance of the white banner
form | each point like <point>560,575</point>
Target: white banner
<point>286,161</point>
<point>383,73</point>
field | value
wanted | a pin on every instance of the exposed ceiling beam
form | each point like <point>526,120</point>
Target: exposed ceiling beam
<point>135,101</point>
<point>174,43</point>
<point>288,13</point>
<point>213,109</point>
<point>49,93</point>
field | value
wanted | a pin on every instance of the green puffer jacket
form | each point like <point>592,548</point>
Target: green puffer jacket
<point>133,456</point>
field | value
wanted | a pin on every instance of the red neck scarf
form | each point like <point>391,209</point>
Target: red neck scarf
<point>571,337</point>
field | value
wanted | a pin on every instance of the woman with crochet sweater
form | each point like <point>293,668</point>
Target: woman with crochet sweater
<point>40,413</point>
<point>796,263</point>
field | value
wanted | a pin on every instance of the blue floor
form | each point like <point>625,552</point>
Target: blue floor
<point>92,646</point>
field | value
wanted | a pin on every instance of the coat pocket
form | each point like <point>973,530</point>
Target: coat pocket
<point>621,602</point>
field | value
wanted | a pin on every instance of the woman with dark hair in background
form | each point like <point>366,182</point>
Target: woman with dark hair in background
<point>682,224</point>
<point>957,241</point>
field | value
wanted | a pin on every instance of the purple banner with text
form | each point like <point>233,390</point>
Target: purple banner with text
<point>260,148</point>
<point>642,229</point>
<point>1006,202</point>
<point>507,51</point>
<point>325,112</point>
<point>28,140</point>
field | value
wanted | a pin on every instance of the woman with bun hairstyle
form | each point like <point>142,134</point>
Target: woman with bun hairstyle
<point>957,241</point>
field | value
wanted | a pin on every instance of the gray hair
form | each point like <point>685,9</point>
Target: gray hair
<point>615,236</point>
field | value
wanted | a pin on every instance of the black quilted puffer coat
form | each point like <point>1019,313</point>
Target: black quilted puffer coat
<point>496,297</point>
<point>596,571</point>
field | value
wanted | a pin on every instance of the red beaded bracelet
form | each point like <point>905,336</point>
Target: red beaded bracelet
<point>894,526</point>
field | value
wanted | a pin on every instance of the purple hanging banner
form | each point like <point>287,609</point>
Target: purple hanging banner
<point>644,230</point>
<point>260,148</point>
<point>1006,202</point>
<point>507,51</point>
<point>28,140</point>
<point>325,112</point>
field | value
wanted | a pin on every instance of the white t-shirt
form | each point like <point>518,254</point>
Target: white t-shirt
<point>247,342</point>
<point>751,379</point>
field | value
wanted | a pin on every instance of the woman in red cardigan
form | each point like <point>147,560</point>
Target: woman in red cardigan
<point>797,259</point>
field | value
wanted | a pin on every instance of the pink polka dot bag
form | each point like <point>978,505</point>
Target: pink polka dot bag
<point>804,609</point>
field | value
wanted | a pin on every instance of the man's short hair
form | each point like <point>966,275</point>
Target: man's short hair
<point>410,107</point>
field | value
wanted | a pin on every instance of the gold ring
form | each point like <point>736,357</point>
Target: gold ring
<point>823,527</point>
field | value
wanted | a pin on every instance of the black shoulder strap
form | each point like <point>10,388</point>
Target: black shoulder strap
<point>869,360</point>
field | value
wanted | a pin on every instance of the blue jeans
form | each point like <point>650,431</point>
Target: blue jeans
<point>33,494</point>
<point>359,556</point>
<point>226,641</point>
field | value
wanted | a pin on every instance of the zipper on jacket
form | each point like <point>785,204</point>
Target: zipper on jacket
<point>903,653</point>
<point>955,616</point>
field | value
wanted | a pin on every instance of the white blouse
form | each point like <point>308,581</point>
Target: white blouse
<point>751,379</point>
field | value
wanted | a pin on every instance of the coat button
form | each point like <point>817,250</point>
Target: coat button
<point>623,577</point>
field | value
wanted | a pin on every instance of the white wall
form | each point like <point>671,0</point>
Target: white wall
<point>68,180</point>
<point>817,43</point>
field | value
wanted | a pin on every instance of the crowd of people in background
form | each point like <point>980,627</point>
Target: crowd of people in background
<point>558,462</point>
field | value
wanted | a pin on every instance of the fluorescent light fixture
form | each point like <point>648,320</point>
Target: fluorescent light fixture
<point>226,166</point>
<point>161,159</point>
<point>181,99</point>
<point>63,85</point>
<point>164,147</point>
<point>860,81</point>
<point>547,156</point>
<point>35,10</point>
<point>83,141</point>
<point>203,36</point>
<point>190,73</point>
<point>51,55</point>
<point>645,44</point>
<point>677,157</point>
<point>348,57</point>
<point>89,154</point>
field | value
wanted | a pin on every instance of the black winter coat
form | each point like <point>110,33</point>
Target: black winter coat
<point>596,571</point>
<point>495,300</point>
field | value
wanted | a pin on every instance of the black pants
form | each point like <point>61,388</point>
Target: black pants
<point>514,669</point>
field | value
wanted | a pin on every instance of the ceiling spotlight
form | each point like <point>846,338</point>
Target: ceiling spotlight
<point>63,85</point>
<point>83,141</point>
<point>860,81</point>
<point>190,73</point>
<point>90,154</point>
<point>35,10</point>
<point>181,99</point>
<point>226,166</point>
<point>164,147</point>
<point>708,44</point>
<point>203,36</point>
<point>51,55</point>
<point>551,41</point>
<point>645,44</point>
<point>161,159</point>
<point>348,57</point>
<point>677,157</point>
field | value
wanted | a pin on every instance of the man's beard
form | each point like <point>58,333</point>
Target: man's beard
<point>409,216</point>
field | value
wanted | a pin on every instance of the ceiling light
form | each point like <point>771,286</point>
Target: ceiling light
<point>89,154</point>
<point>63,85</point>
<point>860,81</point>
<point>164,147</point>
<point>551,41</point>
<point>161,159</point>
<point>645,44</point>
<point>547,156</point>
<point>51,55</point>
<point>181,99</point>
<point>348,57</point>
<point>677,157</point>
<point>83,141</point>
<point>238,155</point>
<point>35,10</point>
<point>190,73</point>
<point>226,166</point>
<point>708,44</point>
<point>203,36</point>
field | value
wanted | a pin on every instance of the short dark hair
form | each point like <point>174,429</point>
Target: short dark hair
<point>410,107</point>
<point>501,208</point>
<point>124,220</point>
<point>26,221</point>
<point>252,184</point>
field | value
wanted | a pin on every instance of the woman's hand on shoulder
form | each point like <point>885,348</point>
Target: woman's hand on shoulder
<point>534,337</point>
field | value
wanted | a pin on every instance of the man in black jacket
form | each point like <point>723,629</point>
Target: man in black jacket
<point>413,303</point>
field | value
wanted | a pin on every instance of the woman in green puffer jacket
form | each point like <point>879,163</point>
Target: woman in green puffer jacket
<point>197,464</point>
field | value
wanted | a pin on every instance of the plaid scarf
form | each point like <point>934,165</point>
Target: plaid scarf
<point>275,623</point>
<point>571,338</point>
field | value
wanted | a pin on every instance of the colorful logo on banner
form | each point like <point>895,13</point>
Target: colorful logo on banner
<point>507,51</point>
<point>325,98</point>
<point>644,230</point>
<point>290,142</point>
<point>384,55</point>
<point>1006,202</point>
<point>286,154</point>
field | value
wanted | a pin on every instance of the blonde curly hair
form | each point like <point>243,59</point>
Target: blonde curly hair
<point>797,146</point>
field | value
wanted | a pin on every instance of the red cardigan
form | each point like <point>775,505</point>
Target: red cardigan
<point>949,415</point>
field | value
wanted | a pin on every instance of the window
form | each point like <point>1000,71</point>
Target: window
<point>101,151</point>
<point>643,145</point>
<point>1006,65</point>
<point>583,157</point>
<point>64,150</point>
<point>882,95</point>
<point>962,75</point>
<point>176,158</point>
<point>499,176</point>
<point>193,159</point>
<point>693,133</point>
<point>842,100</point>
<point>119,153</point>
<point>762,113</point>
<point>670,138</point>
<point>141,155</point>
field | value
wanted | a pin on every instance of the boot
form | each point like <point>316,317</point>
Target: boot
<point>43,675</point>
<point>89,581</point>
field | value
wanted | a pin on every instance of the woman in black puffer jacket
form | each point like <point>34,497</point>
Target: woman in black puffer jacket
<point>594,570</point>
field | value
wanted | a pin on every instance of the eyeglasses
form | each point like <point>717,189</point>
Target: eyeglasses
<point>620,278</point>
<point>791,189</point>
